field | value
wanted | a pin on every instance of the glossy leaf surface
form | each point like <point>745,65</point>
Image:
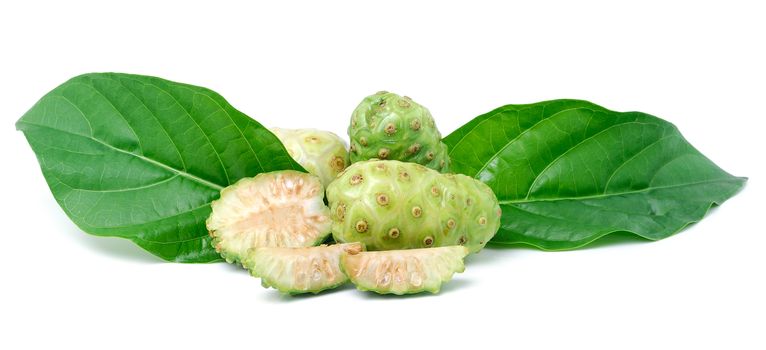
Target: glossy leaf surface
<point>141,158</point>
<point>568,172</point>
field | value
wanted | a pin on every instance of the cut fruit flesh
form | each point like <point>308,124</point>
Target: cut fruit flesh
<point>300,270</point>
<point>276,209</point>
<point>403,271</point>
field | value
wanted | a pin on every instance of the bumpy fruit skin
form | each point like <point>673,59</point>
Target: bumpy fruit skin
<point>388,204</point>
<point>320,152</point>
<point>276,209</point>
<point>403,271</point>
<point>300,270</point>
<point>388,126</point>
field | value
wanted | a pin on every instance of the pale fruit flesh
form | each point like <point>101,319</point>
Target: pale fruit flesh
<point>403,271</point>
<point>300,270</point>
<point>276,209</point>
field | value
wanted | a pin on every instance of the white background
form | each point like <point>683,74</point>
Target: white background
<point>699,65</point>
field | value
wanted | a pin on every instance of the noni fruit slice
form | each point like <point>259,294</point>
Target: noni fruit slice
<point>300,270</point>
<point>320,152</point>
<point>403,271</point>
<point>388,204</point>
<point>388,126</point>
<point>276,209</point>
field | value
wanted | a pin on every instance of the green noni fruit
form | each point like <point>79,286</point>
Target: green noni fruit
<point>320,152</point>
<point>388,126</point>
<point>403,271</point>
<point>300,270</point>
<point>388,204</point>
<point>276,209</point>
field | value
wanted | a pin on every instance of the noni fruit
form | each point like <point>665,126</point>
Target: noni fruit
<point>388,126</point>
<point>320,152</point>
<point>300,270</point>
<point>403,271</point>
<point>388,204</point>
<point>276,209</point>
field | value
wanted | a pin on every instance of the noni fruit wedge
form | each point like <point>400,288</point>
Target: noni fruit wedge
<point>388,204</point>
<point>403,271</point>
<point>300,270</point>
<point>388,126</point>
<point>276,209</point>
<point>320,152</point>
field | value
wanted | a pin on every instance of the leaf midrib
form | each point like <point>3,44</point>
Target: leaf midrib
<point>574,147</point>
<point>185,174</point>
<point>600,196</point>
<point>522,133</point>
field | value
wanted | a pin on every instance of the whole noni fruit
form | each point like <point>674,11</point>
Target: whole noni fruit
<point>389,204</point>
<point>388,126</point>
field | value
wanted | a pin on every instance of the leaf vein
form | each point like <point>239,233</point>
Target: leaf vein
<point>539,175</point>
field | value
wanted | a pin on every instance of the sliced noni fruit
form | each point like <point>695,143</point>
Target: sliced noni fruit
<point>320,152</point>
<point>300,270</point>
<point>277,209</point>
<point>403,271</point>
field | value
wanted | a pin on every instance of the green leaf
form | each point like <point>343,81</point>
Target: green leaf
<point>141,158</point>
<point>568,172</point>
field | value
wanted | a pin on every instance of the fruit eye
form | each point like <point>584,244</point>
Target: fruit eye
<point>361,226</point>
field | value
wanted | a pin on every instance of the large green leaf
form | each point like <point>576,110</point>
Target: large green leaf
<point>142,158</point>
<point>568,172</point>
